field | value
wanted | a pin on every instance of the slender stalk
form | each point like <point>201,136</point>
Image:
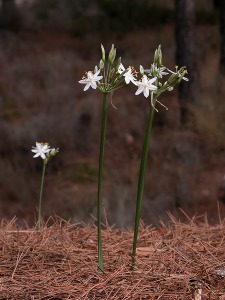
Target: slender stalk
<point>40,197</point>
<point>101,159</point>
<point>141,179</point>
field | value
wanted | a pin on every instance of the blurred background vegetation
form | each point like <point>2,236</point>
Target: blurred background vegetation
<point>45,48</point>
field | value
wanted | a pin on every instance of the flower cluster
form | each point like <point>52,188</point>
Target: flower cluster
<point>108,78</point>
<point>44,151</point>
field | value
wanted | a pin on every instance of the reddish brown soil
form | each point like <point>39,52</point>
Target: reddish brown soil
<point>179,261</point>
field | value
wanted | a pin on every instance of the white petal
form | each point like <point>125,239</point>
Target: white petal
<point>42,155</point>
<point>45,148</point>
<point>93,85</point>
<point>134,80</point>
<point>87,86</point>
<point>96,73</point>
<point>152,80</point>
<point>146,92</point>
<point>83,81</point>
<point>153,87</point>
<point>139,91</point>
<point>127,79</point>
<point>97,78</point>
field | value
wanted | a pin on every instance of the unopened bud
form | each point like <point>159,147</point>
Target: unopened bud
<point>158,56</point>
<point>54,151</point>
<point>96,69</point>
<point>170,88</point>
<point>112,72</point>
<point>112,55</point>
<point>142,71</point>
<point>101,64</point>
<point>118,64</point>
<point>103,53</point>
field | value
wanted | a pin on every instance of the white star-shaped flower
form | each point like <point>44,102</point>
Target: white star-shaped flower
<point>129,77</point>
<point>160,71</point>
<point>155,71</point>
<point>91,80</point>
<point>40,150</point>
<point>145,85</point>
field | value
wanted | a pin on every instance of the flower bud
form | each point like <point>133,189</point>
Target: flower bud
<point>101,64</point>
<point>103,53</point>
<point>111,73</point>
<point>112,55</point>
<point>142,71</point>
<point>170,88</point>
<point>54,151</point>
<point>158,56</point>
<point>118,64</point>
<point>173,79</point>
<point>96,69</point>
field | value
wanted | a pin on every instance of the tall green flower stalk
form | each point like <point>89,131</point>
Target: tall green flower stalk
<point>45,152</point>
<point>141,180</point>
<point>101,159</point>
<point>153,87</point>
<point>40,196</point>
<point>108,76</point>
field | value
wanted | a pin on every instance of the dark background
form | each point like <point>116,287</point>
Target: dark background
<point>45,48</point>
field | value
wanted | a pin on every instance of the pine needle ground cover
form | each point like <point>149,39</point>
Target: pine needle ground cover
<point>183,260</point>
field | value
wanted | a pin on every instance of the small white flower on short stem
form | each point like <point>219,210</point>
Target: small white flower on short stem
<point>91,80</point>
<point>145,85</point>
<point>41,150</point>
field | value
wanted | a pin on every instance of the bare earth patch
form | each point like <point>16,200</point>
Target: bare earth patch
<point>179,261</point>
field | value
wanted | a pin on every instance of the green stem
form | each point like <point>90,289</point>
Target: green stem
<point>101,159</point>
<point>40,197</point>
<point>141,180</point>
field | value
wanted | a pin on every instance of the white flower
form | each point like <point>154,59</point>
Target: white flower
<point>40,150</point>
<point>160,71</point>
<point>155,71</point>
<point>129,77</point>
<point>179,73</point>
<point>145,85</point>
<point>91,80</point>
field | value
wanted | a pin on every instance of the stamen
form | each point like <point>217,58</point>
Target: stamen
<point>162,104</point>
<point>158,102</point>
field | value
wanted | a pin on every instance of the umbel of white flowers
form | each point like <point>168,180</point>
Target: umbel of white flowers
<point>108,78</point>
<point>156,72</point>
<point>109,75</point>
<point>44,151</point>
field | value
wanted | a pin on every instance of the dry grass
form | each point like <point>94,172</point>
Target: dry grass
<point>173,262</point>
